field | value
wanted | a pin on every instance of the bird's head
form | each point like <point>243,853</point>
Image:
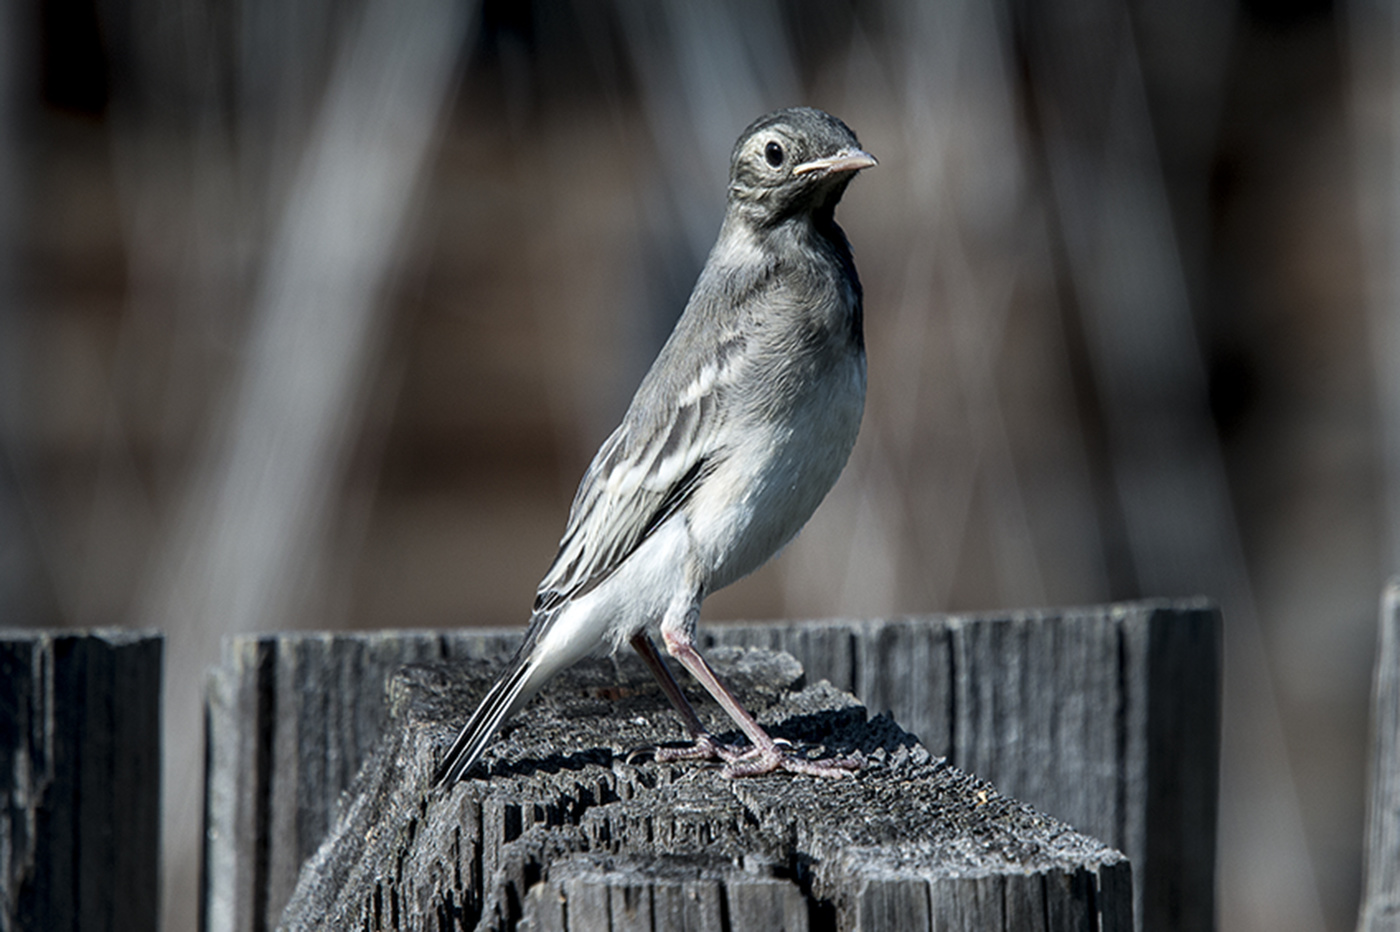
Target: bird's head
<point>793,161</point>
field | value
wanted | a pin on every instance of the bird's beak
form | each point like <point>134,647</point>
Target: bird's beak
<point>847,160</point>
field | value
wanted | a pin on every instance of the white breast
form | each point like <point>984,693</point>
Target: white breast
<point>768,485</point>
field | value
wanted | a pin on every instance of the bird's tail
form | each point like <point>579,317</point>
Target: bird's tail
<point>501,702</point>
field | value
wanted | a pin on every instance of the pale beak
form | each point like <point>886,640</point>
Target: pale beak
<point>847,160</point>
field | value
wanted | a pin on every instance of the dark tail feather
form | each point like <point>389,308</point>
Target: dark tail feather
<point>499,703</point>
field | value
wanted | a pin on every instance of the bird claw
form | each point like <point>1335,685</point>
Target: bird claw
<point>754,762</point>
<point>636,754</point>
<point>703,748</point>
<point>763,762</point>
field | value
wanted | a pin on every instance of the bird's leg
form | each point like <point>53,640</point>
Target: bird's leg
<point>642,644</point>
<point>767,756</point>
<point>704,745</point>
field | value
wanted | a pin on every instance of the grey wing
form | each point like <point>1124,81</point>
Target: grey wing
<point>641,476</point>
<point>670,439</point>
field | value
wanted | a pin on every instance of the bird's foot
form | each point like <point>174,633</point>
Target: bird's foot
<point>704,747</point>
<point>754,762</point>
<point>760,761</point>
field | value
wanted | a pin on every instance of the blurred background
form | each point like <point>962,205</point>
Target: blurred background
<point>312,314</point>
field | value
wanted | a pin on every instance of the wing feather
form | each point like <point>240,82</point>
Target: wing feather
<point>634,484</point>
<point>670,438</point>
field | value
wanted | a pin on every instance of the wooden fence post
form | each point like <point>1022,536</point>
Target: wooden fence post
<point>565,831</point>
<point>1380,900</point>
<point>1105,717</point>
<point>79,780</point>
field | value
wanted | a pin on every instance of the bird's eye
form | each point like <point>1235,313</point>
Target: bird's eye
<point>773,153</point>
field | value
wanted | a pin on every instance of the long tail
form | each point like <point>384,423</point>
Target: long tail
<point>503,701</point>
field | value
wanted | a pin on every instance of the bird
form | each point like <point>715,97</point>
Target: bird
<point>735,435</point>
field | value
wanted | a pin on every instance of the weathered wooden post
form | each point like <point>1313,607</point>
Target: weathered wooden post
<point>1380,899</point>
<point>79,780</point>
<point>1105,717</point>
<point>567,834</point>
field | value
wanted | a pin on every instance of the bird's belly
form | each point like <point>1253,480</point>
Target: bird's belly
<point>764,492</point>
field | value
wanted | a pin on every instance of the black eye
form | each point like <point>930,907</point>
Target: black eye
<point>773,153</point>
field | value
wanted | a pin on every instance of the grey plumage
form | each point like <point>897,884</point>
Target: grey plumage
<point>737,432</point>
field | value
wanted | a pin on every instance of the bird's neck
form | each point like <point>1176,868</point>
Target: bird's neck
<point>752,251</point>
<point>748,238</point>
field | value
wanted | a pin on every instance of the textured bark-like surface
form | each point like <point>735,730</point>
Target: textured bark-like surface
<point>1380,900</point>
<point>1107,717</point>
<point>79,779</point>
<point>558,830</point>
<point>290,719</point>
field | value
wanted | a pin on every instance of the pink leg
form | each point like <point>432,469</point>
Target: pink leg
<point>705,746</point>
<point>642,644</point>
<point>767,756</point>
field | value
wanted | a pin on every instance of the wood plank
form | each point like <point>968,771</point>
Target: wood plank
<point>1380,900</point>
<point>291,719</point>
<point>570,834</point>
<point>79,779</point>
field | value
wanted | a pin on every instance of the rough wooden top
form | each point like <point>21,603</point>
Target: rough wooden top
<point>565,816</point>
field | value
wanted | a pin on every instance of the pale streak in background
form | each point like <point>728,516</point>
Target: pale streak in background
<point>705,70</point>
<point>1375,37</point>
<point>14,556</point>
<point>1167,465</point>
<point>951,84</point>
<point>248,534</point>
